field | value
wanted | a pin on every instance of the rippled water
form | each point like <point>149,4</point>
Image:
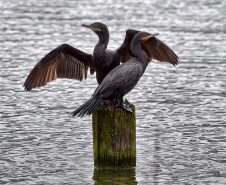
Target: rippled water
<point>181,111</point>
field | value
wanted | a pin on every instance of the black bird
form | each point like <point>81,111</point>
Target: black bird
<point>66,61</point>
<point>121,80</point>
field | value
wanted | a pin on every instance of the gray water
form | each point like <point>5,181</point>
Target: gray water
<point>181,111</point>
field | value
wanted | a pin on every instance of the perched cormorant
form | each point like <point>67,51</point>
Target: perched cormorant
<point>66,61</point>
<point>120,80</point>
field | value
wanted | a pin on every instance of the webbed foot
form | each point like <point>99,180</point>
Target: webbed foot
<point>123,106</point>
<point>127,108</point>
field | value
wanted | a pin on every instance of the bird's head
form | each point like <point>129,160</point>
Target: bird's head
<point>99,28</point>
<point>139,38</point>
<point>143,36</point>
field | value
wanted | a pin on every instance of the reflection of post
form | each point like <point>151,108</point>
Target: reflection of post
<point>156,156</point>
<point>114,138</point>
<point>126,177</point>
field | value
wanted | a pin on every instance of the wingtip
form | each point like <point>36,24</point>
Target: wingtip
<point>72,114</point>
<point>174,63</point>
<point>177,60</point>
<point>26,88</point>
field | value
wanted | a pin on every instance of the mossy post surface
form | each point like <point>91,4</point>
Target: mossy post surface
<point>114,138</point>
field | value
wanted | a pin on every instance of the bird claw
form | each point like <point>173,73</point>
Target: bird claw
<point>117,103</point>
<point>125,107</point>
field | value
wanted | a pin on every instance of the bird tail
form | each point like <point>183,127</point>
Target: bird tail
<point>87,108</point>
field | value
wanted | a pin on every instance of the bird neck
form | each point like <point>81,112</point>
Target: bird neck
<point>139,53</point>
<point>100,48</point>
<point>102,44</point>
<point>103,39</point>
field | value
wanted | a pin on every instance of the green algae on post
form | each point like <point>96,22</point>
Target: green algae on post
<point>114,138</point>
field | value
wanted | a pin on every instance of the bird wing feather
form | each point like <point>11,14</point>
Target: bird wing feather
<point>154,48</point>
<point>64,61</point>
<point>159,51</point>
<point>124,51</point>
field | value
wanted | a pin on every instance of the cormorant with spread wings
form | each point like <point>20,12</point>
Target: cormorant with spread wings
<point>66,61</point>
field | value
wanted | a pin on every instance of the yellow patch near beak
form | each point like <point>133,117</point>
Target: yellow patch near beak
<point>95,29</point>
<point>145,38</point>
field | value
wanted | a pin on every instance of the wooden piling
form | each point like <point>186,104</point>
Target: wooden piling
<point>114,138</point>
<point>120,177</point>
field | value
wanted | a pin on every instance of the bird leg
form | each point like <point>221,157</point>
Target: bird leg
<point>123,106</point>
<point>107,104</point>
<point>115,102</point>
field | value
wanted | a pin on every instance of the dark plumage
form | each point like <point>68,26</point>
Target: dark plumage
<point>66,61</point>
<point>121,80</point>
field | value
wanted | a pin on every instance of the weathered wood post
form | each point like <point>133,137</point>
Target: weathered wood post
<point>121,177</point>
<point>114,138</point>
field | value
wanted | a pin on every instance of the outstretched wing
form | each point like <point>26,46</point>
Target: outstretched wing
<point>154,48</point>
<point>64,61</point>
<point>157,50</point>
<point>124,51</point>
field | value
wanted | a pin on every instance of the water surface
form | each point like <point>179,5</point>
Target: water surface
<point>181,111</point>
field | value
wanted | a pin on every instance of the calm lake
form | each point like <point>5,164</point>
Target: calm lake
<point>181,111</point>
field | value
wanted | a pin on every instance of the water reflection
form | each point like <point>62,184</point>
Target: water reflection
<point>156,158</point>
<point>119,177</point>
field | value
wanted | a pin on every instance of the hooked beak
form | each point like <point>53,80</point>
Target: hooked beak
<point>91,27</point>
<point>87,26</point>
